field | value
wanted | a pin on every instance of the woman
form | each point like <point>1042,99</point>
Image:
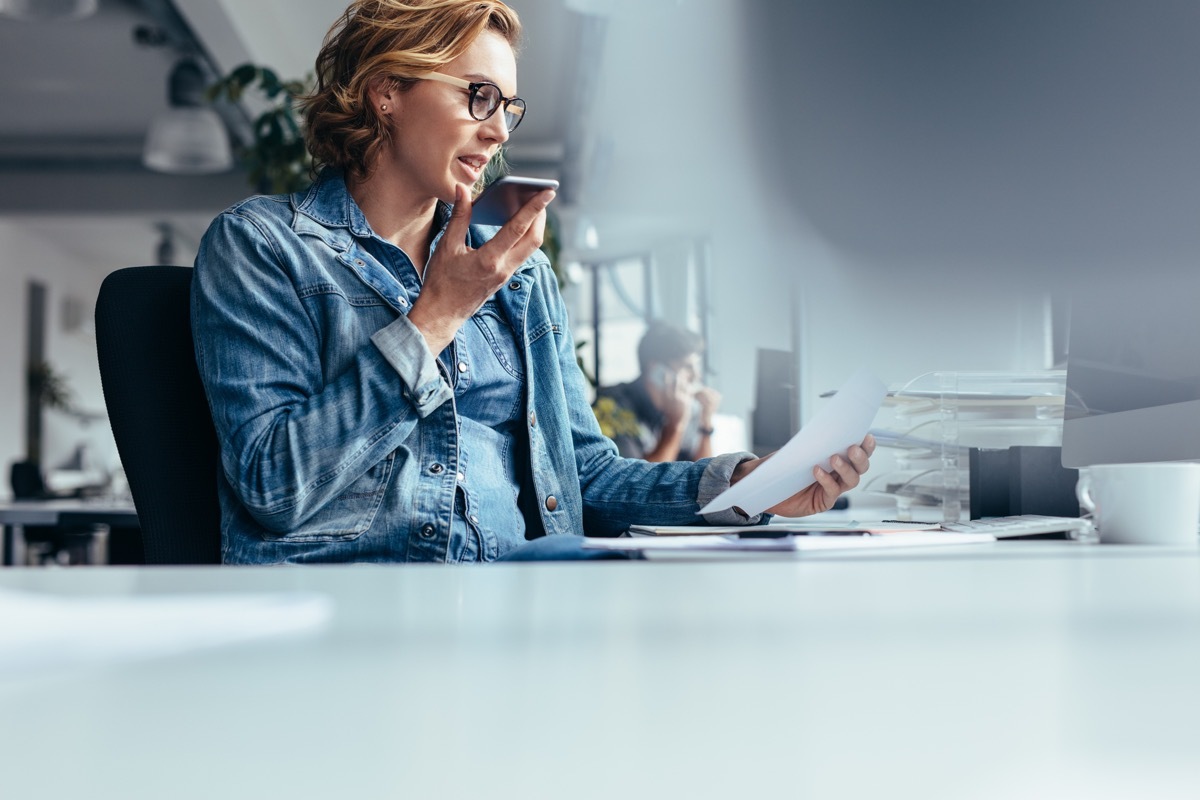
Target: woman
<point>389,383</point>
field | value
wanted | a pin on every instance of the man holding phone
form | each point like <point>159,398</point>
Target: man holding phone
<point>666,413</point>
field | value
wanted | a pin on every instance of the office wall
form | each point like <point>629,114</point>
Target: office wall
<point>1055,140</point>
<point>956,162</point>
<point>70,256</point>
<point>681,141</point>
<point>669,161</point>
<point>12,359</point>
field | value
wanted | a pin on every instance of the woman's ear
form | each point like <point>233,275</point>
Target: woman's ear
<point>383,94</point>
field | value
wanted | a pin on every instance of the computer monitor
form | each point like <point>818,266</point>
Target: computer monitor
<point>1133,373</point>
<point>774,419</point>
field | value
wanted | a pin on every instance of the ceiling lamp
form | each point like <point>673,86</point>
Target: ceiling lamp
<point>189,138</point>
<point>48,9</point>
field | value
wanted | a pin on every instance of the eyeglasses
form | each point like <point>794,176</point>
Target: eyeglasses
<point>484,98</point>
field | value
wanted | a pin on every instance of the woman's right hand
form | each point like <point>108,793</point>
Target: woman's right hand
<point>459,278</point>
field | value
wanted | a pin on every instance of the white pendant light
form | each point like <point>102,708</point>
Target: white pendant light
<point>189,138</point>
<point>48,9</point>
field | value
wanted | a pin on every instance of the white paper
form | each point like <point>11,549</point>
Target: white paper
<point>684,546</point>
<point>724,543</point>
<point>40,632</point>
<point>841,423</point>
<point>784,526</point>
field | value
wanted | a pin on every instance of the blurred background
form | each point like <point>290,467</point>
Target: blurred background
<point>815,186</point>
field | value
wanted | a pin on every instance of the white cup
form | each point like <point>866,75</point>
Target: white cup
<point>1156,503</point>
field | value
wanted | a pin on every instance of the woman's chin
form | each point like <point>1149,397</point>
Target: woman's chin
<point>448,195</point>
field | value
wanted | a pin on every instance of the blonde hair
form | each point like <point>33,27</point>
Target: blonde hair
<point>396,41</point>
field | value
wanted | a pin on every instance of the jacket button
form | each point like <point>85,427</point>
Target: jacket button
<point>551,503</point>
<point>462,366</point>
<point>533,419</point>
<point>426,531</point>
<point>514,285</point>
<point>436,469</point>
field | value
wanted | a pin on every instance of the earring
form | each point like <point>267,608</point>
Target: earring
<point>383,107</point>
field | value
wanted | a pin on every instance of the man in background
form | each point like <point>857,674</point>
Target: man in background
<point>666,413</point>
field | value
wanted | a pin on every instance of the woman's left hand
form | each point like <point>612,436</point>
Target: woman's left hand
<point>845,473</point>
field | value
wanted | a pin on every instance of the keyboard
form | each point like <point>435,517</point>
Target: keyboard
<point>1024,525</point>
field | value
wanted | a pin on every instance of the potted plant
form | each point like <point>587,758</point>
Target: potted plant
<point>276,160</point>
<point>47,389</point>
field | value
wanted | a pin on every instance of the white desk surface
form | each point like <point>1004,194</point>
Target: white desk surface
<point>1015,670</point>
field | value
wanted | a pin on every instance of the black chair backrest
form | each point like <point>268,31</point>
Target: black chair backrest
<point>27,481</point>
<point>158,411</point>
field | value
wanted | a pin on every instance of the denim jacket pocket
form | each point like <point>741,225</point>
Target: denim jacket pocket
<point>499,334</point>
<point>350,514</point>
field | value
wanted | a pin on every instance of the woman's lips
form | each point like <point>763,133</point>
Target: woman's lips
<point>474,165</point>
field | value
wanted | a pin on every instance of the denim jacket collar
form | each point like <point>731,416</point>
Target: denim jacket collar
<point>328,212</point>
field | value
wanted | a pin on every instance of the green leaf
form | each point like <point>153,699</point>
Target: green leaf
<point>271,83</point>
<point>244,75</point>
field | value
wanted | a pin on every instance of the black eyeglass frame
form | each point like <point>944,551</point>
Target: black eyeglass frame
<point>473,89</point>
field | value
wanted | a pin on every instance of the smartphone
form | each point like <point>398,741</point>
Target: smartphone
<point>505,196</point>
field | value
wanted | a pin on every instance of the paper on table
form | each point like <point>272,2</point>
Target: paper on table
<point>686,546</point>
<point>841,423</point>
<point>790,526</point>
<point>726,543</point>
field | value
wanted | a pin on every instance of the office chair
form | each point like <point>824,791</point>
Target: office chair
<point>27,481</point>
<point>158,411</point>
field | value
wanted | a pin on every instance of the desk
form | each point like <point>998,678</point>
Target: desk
<point>1009,671</point>
<point>15,516</point>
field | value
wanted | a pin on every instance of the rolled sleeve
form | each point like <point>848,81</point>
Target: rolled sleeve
<point>714,480</point>
<point>404,347</point>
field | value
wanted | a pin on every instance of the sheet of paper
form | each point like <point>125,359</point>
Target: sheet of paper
<point>891,540</point>
<point>45,632</point>
<point>841,423</point>
<point>725,543</point>
<point>685,546</point>
<point>784,527</point>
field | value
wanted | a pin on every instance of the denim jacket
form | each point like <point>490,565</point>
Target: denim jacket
<point>336,424</point>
